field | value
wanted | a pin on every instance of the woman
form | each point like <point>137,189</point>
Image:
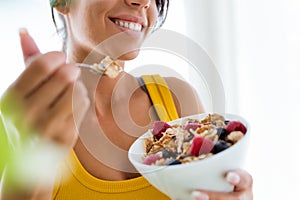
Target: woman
<point>121,107</point>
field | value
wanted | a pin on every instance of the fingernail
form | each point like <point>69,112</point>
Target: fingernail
<point>23,31</point>
<point>199,196</point>
<point>233,178</point>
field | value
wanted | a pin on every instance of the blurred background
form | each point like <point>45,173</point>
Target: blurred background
<point>255,46</point>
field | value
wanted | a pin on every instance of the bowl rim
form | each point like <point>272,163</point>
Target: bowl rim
<point>208,159</point>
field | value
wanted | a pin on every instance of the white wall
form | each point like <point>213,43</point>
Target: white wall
<point>35,16</point>
<point>255,45</point>
<point>268,65</point>
<point>212,25</point>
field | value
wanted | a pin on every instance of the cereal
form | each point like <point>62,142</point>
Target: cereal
<point>235,136</point>
<point>107,67</point>
<point>192,140</point>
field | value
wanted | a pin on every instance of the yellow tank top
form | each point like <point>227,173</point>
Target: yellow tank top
<point>74,182</point>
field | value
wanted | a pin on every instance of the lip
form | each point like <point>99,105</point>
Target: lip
<point>130,18</point>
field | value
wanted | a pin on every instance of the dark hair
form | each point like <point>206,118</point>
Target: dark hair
<point>162,7</point>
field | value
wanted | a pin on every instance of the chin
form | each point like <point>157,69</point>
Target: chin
<point>129,56</point>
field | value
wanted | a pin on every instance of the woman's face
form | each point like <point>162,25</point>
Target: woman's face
<point>90,22</point>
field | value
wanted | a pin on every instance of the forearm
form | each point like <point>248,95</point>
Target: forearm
<point>37,192</point>
<point>29,195</point>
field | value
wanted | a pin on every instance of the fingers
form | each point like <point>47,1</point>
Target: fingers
<point>45,92</point>
<point>242,182</point>
<point>53,118</point>
<point>38,72</point>
<point>48,108</point>
<point>58,121</point>
<point>240,179</point>
<point>51,90</point>
<point>40,66</point>
<point>197,195</point>
<point>29,47</point>
<point>209,195</point>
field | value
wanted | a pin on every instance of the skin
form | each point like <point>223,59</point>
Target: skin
<point>46,108</point>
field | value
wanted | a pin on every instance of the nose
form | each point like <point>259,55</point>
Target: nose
<point>139,3</point>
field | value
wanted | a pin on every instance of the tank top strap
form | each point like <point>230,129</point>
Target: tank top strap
<point>161,97</point>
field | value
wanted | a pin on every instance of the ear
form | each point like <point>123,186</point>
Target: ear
<point>62,6</point>
<point>62,10</point>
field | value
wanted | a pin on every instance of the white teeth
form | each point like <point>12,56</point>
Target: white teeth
<point>126,24</point>
<point>129,25</point>
<point>132,26</point>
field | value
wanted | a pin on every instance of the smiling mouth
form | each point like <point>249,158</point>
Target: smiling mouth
<point>128,25</point>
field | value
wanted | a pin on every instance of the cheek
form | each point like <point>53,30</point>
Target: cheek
<point>87,23</point>
<point>153,15</point>
<point>79,26</point>
<point>86,34</point>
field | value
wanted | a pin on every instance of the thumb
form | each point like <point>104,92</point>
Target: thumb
<point>29,47</point>
<point>240,179</point>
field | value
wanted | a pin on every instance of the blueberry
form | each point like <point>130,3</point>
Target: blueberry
<point>221,132</point>
<point>220,146</point>
<point>168,154</point>
<point>173,162</point>
<point>189,138</point>
<point>226,122</point>
<point>191,121</point>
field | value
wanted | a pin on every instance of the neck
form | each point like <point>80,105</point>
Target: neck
<point>82,55</point>
<point>113,92</point>
<point>101,89</point>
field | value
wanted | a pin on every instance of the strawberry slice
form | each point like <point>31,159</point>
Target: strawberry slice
<point>235,126</point>
<point>158,128</point>
<point>201,145</point>
<point>151,159</point>
<point>192,126</point>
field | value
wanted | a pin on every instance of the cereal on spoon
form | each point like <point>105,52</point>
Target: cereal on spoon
<point>107,67</point>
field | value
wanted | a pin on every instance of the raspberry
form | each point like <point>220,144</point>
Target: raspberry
<point>192,126</point>
<point>158,128</point>
<point>151,159</point>
<point>235,126</point>
<point>201,145</point>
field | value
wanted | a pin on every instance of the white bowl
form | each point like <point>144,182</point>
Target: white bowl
<point>178,181</point>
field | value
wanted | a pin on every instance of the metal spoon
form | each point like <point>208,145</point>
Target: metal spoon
<point>107,66</point>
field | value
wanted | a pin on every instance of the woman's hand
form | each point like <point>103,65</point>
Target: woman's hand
<point>39,104</point>
<point>44,95</point>
<point>242,182</point>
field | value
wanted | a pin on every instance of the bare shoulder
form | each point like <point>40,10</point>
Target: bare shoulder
<point>185,97</point>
